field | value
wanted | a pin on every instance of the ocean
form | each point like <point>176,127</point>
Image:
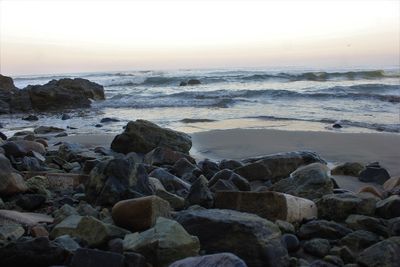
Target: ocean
<point>359,100</point>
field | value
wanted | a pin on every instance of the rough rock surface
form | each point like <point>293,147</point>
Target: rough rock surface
<point>382,254</point>
<point>10,181</point>
<point>214,260</point>
<point>143,136</point>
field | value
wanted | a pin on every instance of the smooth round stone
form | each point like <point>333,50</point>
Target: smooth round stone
<point>291,242</point>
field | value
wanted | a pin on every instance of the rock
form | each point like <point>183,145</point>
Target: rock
<point>117,179</point>
<point>323,229</point>
<point>65,117</point>
<point>98,125</point>
<point>348,168</point>
<point>339,206</point>
<point>163,244</point>
<point>291,242</point>
<point>135,260</point>
<point>67,243</point>
<point>240,182</point>
<point>183,84</point>
<point>39,184</point>
<point>10,181</point>
<point>317,247</point>
<point>47,130</point>
<point>108,120</point>
<point>276,166</point>
<point>143,136</point>
<point>33,252</point>
<point>336,125</point>
<point>186,170</point>
<point>229,164</point>
<point>382,254</point>
<point>392,183</point>
<point>85,209</point>
<point>141,213</point>
<point>11,232</point>
<point>3,136</point>
<point>200,194</point>
<point>30,118</point>
<point>214,260</point>
<point>193,82</point>
<point>64,93</point>
<point>389,208</point>
<point>285,227</point>
<point>344,253</point>
<point>269,205</point>
<point>171,183</point>
<point>176,202</point>
<point>223,185</point>
<point>208,168</point>
<point>372,224</point>
<point>311,182</point>
<point>7,83</point>
<point>38,230</point>
<point>95,232</point>
<point>165,156</point>
<point>394,226</point>
<point>31,202</point>
<point>24,218</point>
<point>227,231</point>
<point>95,258</point>
<point>116,245</point>
<point>359,240</point>
<point>371,191</point>
<point>374,173</point>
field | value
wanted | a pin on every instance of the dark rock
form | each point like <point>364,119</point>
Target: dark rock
<point>223,185</point>
<point>193,82</point>
<point>359,240</point>
<point>200,194</point>
<point>47,130</point>
<point>394,226</point>
<point>33,252</point>
<point>323,229</point>
<point>171,183</point>
<point>116,245</point>
<point>98,125</point>
<point>311,181</point>
<point>113,180</point>
<point>208,168</point>
<point>143,136</point>
<point>340,206</point>
<point>374,173</point>
<point>10,181</point>
<point>291,242</point>
<point>317,247</point>
<point>11,149</point>
<point>335,260</point>
<point>382,254</point>
<point>96,258</point>
<point>214,260</point>
<point>133,259</point>
<point>31,202</point>
<point>3,136</point>
<point>277,166</point>
<point>29,164</point>
<point>344,253</point>
<point>165,156</point>
<point>322,263</point>
<point>67,243</point>
<point>336,125</point>
<point>186,170</point>
<point>230,164</point>
<point>6,83</point>
<point>31,118</point>
<point>372,224</point>
<point>228,231</point>
<point>240,182</point>
<point>65,117</point>
<point>183,84</point>
<point>389,208</point>
<point>108,120</point>
<point>348,168</point>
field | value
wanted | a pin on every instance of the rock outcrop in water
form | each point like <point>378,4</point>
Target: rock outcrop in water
<point>79,206</point>
<point>54,95</point>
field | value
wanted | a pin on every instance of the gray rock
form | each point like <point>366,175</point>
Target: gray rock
<point>389,208</point>
<point>229,164</point>
<point>372,224</point>
<point>67,243</point>
<point>240,182</point>
<point>340,206</point>
<point>311,181</point>
<point>200,194</point>
<point>163,244</point>
<point>214,260</point>
<point>171,183</point>
<point>228,231</point>
<point>31,202</point>
<point>348,168</point>
<point>47,130</point>
<point>323,229</point>
<point>317,247</point>
<point>208,168</point>
<point>374,173</point>
<point>10,181</point>
<point>277,166</point>
<point>95,258</point>
<point>291,242</point>
<point>359,240</point>
<point>186,170</point>
<point>143,136</point>
<point>10,232</point>
<point>382,254</point>
<point>165,156</point>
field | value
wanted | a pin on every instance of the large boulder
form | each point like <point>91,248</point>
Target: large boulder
<point>163,244</point>
<point>277,166</point>
<point>255,240</point>
<point>141,213</point>
<point>214,260</point>
<point>170,182</point>
<point>7,89</point>
<point>64,93</point>
<point>117,179</point>
<point>240,182</point>
<point>374,173</point>
<point>10,181</point>
<point>200,194</point>
<point>269,205</point>
<point>323,229</point>
<point>311,181</point>
<point>165,156</point>
<point>382,254</point>
<point>143,136</point>
<point>340,206</point>
<point>389,207</point>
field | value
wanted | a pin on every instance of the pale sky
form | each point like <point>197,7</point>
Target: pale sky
<point>38,37</point>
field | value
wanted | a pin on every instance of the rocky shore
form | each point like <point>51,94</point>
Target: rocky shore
<point>145,201</point>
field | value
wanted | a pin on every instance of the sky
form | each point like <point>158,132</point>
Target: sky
<point>39,37</point>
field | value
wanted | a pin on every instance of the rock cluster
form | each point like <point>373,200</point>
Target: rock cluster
<point>147,202</point>
<point>54,95</point>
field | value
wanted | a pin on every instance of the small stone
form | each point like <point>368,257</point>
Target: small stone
<point>31,202</point>
<point>374,173</point>
<point>65,117</point>
<point>24,218</point>
<point>30,118</point>
<point>47,130</point>
<point>38,230</point>
<point>285,227</point>
<point>336,125</point>
<point>10,232</point>
<point>318,247</point>
<point>66,242</point>
<point>291,242</point>
<point>108,120</point>
<point>348,168</point>
<point>98,125</point>
<point>140,213</point>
